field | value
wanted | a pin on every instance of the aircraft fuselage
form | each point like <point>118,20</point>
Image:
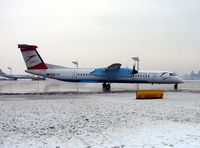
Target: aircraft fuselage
<point>122,76</point>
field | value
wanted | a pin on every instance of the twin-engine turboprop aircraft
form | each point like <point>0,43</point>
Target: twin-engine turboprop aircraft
<point>111,74</point>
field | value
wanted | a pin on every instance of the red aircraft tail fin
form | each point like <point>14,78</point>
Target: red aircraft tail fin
<point>32,57</point>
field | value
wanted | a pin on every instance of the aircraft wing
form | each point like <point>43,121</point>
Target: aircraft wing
<point>112,71</point>
<point>113,67</point>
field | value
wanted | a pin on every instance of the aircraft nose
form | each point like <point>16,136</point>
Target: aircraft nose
<point>180,80</point>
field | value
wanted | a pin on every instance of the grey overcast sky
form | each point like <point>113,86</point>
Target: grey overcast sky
<point>165,34</point>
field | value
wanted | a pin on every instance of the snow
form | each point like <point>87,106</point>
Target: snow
<point>100,120</point>
<point>28,86</point>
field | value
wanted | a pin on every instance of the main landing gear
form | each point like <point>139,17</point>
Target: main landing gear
<point>106,86</point>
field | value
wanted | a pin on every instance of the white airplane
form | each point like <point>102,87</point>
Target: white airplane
<point>107,75</point>
<point>16,77</point>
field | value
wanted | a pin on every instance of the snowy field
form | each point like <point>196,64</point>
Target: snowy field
<point>114,119</point>
<point>100,120</point>
<point>28,86</point>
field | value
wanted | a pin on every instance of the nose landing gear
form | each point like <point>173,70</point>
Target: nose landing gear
<point>175,86</point>
<point>106,86</point>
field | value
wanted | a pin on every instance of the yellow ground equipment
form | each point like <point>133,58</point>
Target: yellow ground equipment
<point>149,94</point>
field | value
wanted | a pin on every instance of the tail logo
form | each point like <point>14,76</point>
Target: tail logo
<point>30,57</point>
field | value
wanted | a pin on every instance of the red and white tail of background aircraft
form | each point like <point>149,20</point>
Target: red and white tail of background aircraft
<point>106,75</point>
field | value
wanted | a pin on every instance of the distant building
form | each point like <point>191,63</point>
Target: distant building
<point>192,76</point>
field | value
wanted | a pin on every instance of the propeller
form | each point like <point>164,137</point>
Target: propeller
<point>134,70</point>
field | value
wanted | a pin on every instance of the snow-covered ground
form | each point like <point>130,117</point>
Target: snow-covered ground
<point>100,120</point>
<point>28,86</point>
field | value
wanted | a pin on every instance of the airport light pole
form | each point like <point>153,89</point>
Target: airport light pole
<point>75,63</point>
<point>10,68</point>
<point>38,86</point>
<point>76,75</point>
<point>136,59</point>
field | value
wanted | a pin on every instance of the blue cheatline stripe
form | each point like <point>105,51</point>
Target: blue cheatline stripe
<point>88,81</point>
<point>104,81</point>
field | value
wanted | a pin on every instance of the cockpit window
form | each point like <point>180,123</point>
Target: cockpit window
<point>173,74</point>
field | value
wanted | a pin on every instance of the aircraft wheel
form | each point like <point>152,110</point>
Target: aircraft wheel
<point>175,86</point>
<point>108,86</point>
<point>104,85</point>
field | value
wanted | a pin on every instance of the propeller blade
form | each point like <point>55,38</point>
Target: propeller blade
<point>134,70</point>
